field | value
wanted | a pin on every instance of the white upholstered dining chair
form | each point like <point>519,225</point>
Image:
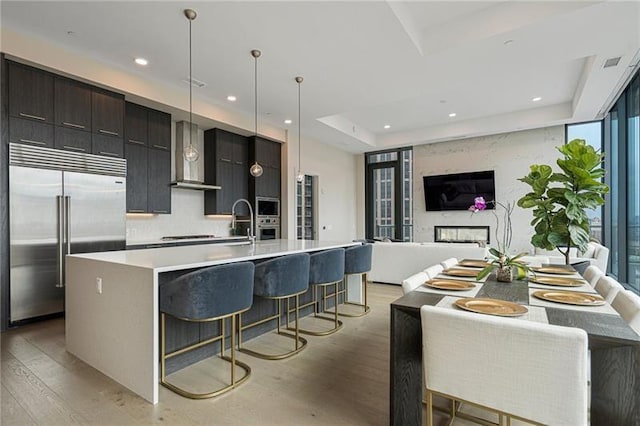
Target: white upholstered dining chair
<point>449,263</point>
<point>627,303</point>
<point>521,369</point>
<point>414,281</point>
<point>608,288</point>
<point>433,271</point>
<point>592,274</point>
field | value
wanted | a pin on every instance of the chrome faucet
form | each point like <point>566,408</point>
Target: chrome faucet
<point>250,234</point>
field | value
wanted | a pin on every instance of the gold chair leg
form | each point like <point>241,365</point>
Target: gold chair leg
<point>429,398</point>
<point>365,305</point>
<point>162,346</point>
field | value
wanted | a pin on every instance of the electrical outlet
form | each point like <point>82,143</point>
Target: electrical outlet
<point>99,285</point>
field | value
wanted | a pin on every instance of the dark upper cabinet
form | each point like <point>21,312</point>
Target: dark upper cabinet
<point>147,150</point>
<point>74,140</point>
<point>159,175</point>
<point>159,130</point>
<point>72,104</point>
<point>30,93</point>
<point>268,154</point>
<point>30,132</point>
<point>136,124</point>
<point>137,177</point>
<point>107,113</point>
<point>226,156</point>
<point>107,145</point>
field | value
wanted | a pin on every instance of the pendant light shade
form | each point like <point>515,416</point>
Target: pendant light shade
<point>190,153</point>
<point>256,169</point>
<point>300,176</point>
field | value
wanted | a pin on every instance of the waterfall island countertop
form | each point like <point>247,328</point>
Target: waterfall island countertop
<point>112,302</point>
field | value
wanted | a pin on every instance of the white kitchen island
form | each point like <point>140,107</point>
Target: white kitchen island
<point>112,317</point>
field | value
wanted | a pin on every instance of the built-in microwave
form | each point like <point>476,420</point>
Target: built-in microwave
<point>267,207</point>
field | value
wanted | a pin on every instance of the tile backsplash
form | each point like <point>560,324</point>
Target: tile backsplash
<point>186,218</point>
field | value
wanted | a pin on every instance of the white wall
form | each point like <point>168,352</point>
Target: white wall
<point>509,154</point>
<point>337,174</point>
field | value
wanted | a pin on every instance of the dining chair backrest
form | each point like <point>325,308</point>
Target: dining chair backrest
<point>627,303</point>
<point>434,270</point>
<point>529,369</point>
<point>608,288</point>
<point>449,263</point>
<point>414,281</point>
<point>592,274</point>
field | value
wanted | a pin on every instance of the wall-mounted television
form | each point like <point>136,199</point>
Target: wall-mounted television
<point>457,191</point>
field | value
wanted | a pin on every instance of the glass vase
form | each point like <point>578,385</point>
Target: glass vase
<point>505,274</point>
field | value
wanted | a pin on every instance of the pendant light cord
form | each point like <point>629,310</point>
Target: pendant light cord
<point>190,92</point>
<point>255,93</point>
<point>299,139</point>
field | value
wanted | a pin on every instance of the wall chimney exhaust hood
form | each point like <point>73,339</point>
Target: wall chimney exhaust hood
<point>189,174</point>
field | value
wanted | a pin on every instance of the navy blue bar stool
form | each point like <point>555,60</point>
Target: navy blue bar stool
<point>280,279</point>
<point>326,268</point>
<point>209,294</point>
<point>357,260</point>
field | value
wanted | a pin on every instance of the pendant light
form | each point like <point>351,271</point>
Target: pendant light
<point>300,176</point>
<point>256,169</point>
<point>190,153</point>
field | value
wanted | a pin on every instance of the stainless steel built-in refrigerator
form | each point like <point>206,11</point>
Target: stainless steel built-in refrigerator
<point>60,202</point>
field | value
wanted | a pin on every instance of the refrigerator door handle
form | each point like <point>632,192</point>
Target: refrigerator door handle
<point>60,262</point>
<point>67,232</point>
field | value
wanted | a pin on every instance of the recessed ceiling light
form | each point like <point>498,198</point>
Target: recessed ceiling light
<point>287,121</point>
<point>387,126</point>
<point>141,61</point>
<point>231,98</point>
<point>536,99</point>
<point>453,114</point>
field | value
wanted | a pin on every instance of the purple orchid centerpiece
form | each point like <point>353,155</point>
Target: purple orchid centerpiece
<point>506,266</point>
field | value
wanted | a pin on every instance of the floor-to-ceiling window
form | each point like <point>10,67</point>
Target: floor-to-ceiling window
<point>591,132</point>
<point>622,207</point>
<point>389,200</point>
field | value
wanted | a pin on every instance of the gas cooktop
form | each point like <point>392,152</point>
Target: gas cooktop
<point>186,237</point>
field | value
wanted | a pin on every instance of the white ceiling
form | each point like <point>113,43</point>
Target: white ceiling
<point>366,63</point>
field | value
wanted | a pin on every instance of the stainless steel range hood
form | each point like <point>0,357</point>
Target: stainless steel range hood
<point>189,174</point>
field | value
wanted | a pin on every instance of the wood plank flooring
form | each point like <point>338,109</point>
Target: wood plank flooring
<point>338,379</point>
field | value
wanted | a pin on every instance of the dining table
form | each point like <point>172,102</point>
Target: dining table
<point>613,344</point>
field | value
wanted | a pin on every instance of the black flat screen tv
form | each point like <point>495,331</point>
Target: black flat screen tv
<point>457,191</point>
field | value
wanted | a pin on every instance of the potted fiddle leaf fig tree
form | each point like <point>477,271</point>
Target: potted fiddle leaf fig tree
<point>560,200</point>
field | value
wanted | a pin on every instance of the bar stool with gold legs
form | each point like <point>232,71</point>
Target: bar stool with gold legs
<point>326,268</point>
<point>357,260</point>
<point>215,293</point>
<point>279,279</point>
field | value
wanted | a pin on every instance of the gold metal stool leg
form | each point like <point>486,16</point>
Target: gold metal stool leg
<point>317,311</point>
<point>300,342</point>
<point>221,338</point>
<point>364,305</point>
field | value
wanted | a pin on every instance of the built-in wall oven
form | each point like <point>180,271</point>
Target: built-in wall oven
<point>267,218</point>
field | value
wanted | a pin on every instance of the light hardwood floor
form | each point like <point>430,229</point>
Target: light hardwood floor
<point>338,379</point>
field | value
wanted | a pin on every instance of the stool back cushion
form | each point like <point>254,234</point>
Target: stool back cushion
<point>209,292</point>
<point>282,276</point>
<point>326,266</point>
<point>533,370</point>
<point>357,260</point>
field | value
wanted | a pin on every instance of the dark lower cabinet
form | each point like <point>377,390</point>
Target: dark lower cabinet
<point>137,170</point>
<point>158,187</point>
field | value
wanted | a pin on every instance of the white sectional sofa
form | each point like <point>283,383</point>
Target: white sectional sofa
<point>596,254</point>
<point>393,262</point>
